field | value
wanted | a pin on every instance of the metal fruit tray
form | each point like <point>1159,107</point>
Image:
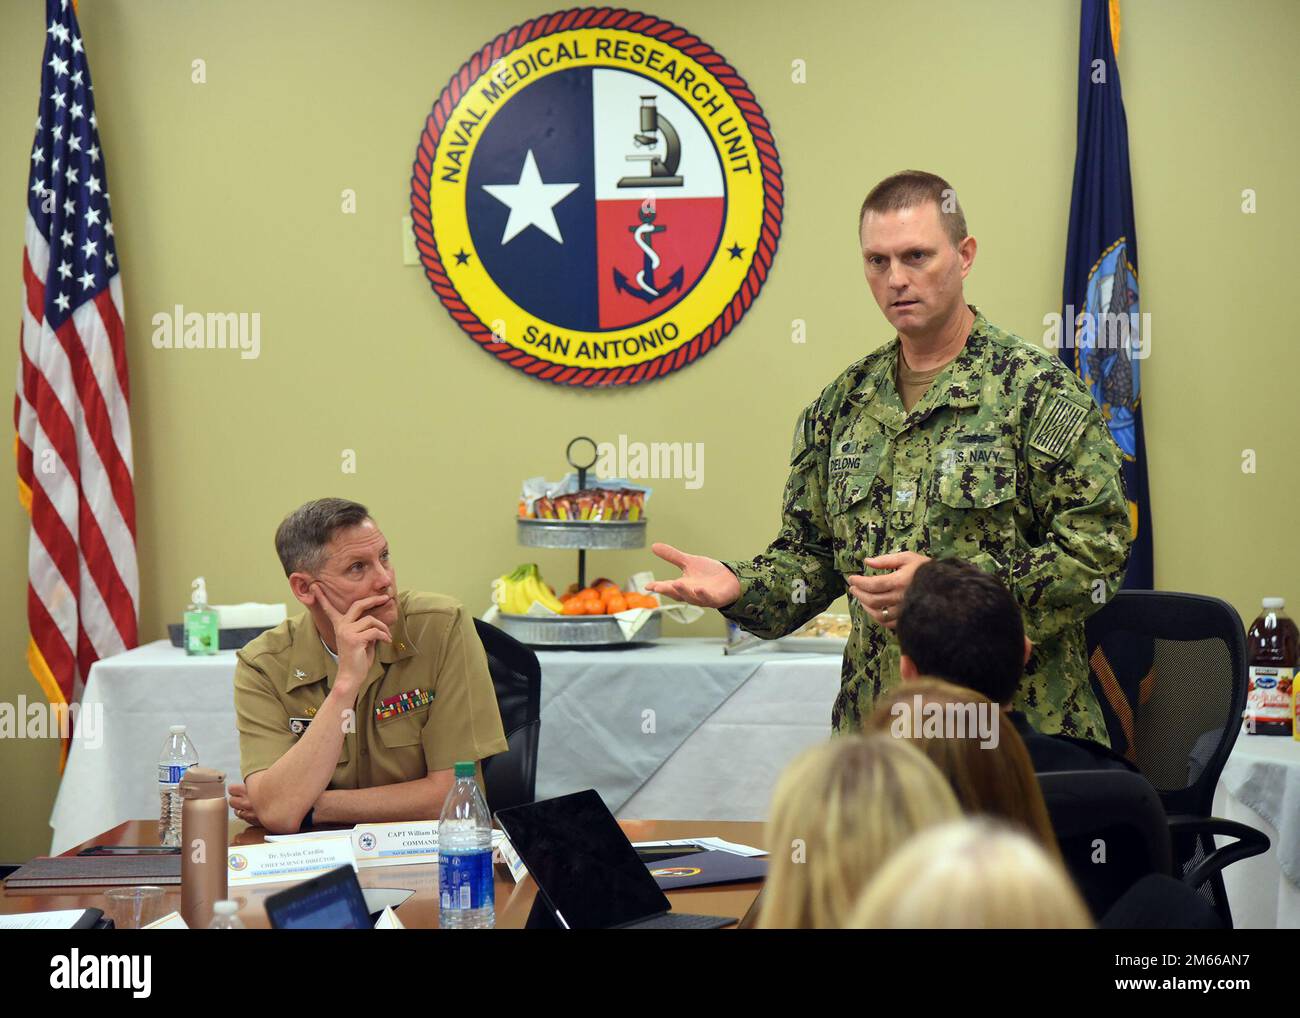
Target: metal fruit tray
<point>581,534</point>
<point>576,632</point>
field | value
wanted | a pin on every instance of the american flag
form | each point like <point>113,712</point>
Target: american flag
<point>71,407</point>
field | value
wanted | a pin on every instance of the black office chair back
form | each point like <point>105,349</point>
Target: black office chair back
<point>1170,672</point>
<point>1111,828</point>
<point>511,777</point>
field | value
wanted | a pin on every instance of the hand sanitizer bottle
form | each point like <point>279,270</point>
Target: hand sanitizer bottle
<point>201,631</point>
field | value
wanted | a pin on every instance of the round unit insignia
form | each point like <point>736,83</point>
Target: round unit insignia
<point>596,197</point>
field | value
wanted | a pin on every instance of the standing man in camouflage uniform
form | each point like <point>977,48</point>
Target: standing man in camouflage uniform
<point>956,439</point>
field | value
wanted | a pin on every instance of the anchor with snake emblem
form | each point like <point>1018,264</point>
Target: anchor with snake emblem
<point>646,288</point>
<point>663,173</point>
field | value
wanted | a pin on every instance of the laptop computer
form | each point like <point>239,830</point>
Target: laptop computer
<point>588,874</point>
<point>331,901</point>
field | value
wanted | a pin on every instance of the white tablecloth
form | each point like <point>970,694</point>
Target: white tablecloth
<point>141,693</point>
<point>722,728</point>
<point>679,729</point>
<point>1260,787</point>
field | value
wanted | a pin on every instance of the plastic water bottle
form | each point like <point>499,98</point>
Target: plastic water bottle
<point>465,886</point>
<point>225,917</point>
<point>178,756</point>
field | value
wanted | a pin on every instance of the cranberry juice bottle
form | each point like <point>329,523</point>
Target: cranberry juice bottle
<point>1273,645</point>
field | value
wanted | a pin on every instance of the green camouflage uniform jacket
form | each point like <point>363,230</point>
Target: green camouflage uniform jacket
<point>1005,462</point>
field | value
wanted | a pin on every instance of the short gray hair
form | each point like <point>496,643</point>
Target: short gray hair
<point>301,538</point>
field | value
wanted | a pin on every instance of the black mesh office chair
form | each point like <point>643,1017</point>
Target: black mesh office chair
<point>1111,829</point>
<point>511,777</point>
<point>1170,672</point>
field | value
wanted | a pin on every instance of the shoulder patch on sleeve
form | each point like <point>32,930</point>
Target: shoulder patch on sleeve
<point>1059,426</point>
<point>803,435</point>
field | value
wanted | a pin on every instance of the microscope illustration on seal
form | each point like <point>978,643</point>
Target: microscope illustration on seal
<point>663,173</point>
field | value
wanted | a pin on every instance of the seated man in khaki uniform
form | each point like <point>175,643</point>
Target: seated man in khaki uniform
<point>357,710</point>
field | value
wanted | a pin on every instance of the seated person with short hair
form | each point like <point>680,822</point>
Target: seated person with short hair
<point>961,624</point>
<point>357,710</point>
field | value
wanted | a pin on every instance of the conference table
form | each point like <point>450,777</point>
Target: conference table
<point>420,910</point>
<point>681,728</point>
<point>724,728</point>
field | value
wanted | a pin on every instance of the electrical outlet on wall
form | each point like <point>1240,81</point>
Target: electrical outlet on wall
<point>410,253</point>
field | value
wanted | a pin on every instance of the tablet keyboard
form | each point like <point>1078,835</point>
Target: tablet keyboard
<point>682,921</point>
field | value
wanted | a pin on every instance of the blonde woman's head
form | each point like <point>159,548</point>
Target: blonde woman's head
<point>971,874</point>
<point>977,749</point>
<point>837,813</point>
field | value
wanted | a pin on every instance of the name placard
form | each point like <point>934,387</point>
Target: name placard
<point>280,861</point>
<point>400,844</point>
<point>397,844</point>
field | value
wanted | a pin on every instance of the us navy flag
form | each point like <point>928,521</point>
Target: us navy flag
<point>1110,337</point>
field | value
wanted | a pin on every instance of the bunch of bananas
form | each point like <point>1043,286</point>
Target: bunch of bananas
<point>515,592</point>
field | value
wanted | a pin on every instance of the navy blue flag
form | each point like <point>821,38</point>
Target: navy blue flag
<point>1105,336</point>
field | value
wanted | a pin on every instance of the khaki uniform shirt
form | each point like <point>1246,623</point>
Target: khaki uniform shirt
<point>1006,462</point>
<point>287,672</point>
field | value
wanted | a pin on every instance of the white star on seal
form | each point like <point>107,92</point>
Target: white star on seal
<point>298,673</point>
<point>531,202</point>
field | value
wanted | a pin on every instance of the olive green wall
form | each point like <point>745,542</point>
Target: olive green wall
<point>226,197</point>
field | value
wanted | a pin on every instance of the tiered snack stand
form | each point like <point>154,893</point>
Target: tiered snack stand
<point>579,632</point>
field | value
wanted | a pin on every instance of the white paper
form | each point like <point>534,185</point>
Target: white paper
<point>515,865</point>
<point>171,921</point>
<point>249,615</point>
<point>62,919</point>
<point>729,846</point>
<point>310,835</point>
<point>709,844</point>
<point>380,898</point>
<point>632,620</point>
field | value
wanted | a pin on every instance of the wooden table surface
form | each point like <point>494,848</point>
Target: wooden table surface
<point>420,911</point>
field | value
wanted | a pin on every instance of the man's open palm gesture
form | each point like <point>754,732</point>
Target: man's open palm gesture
<point>704,581</point>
